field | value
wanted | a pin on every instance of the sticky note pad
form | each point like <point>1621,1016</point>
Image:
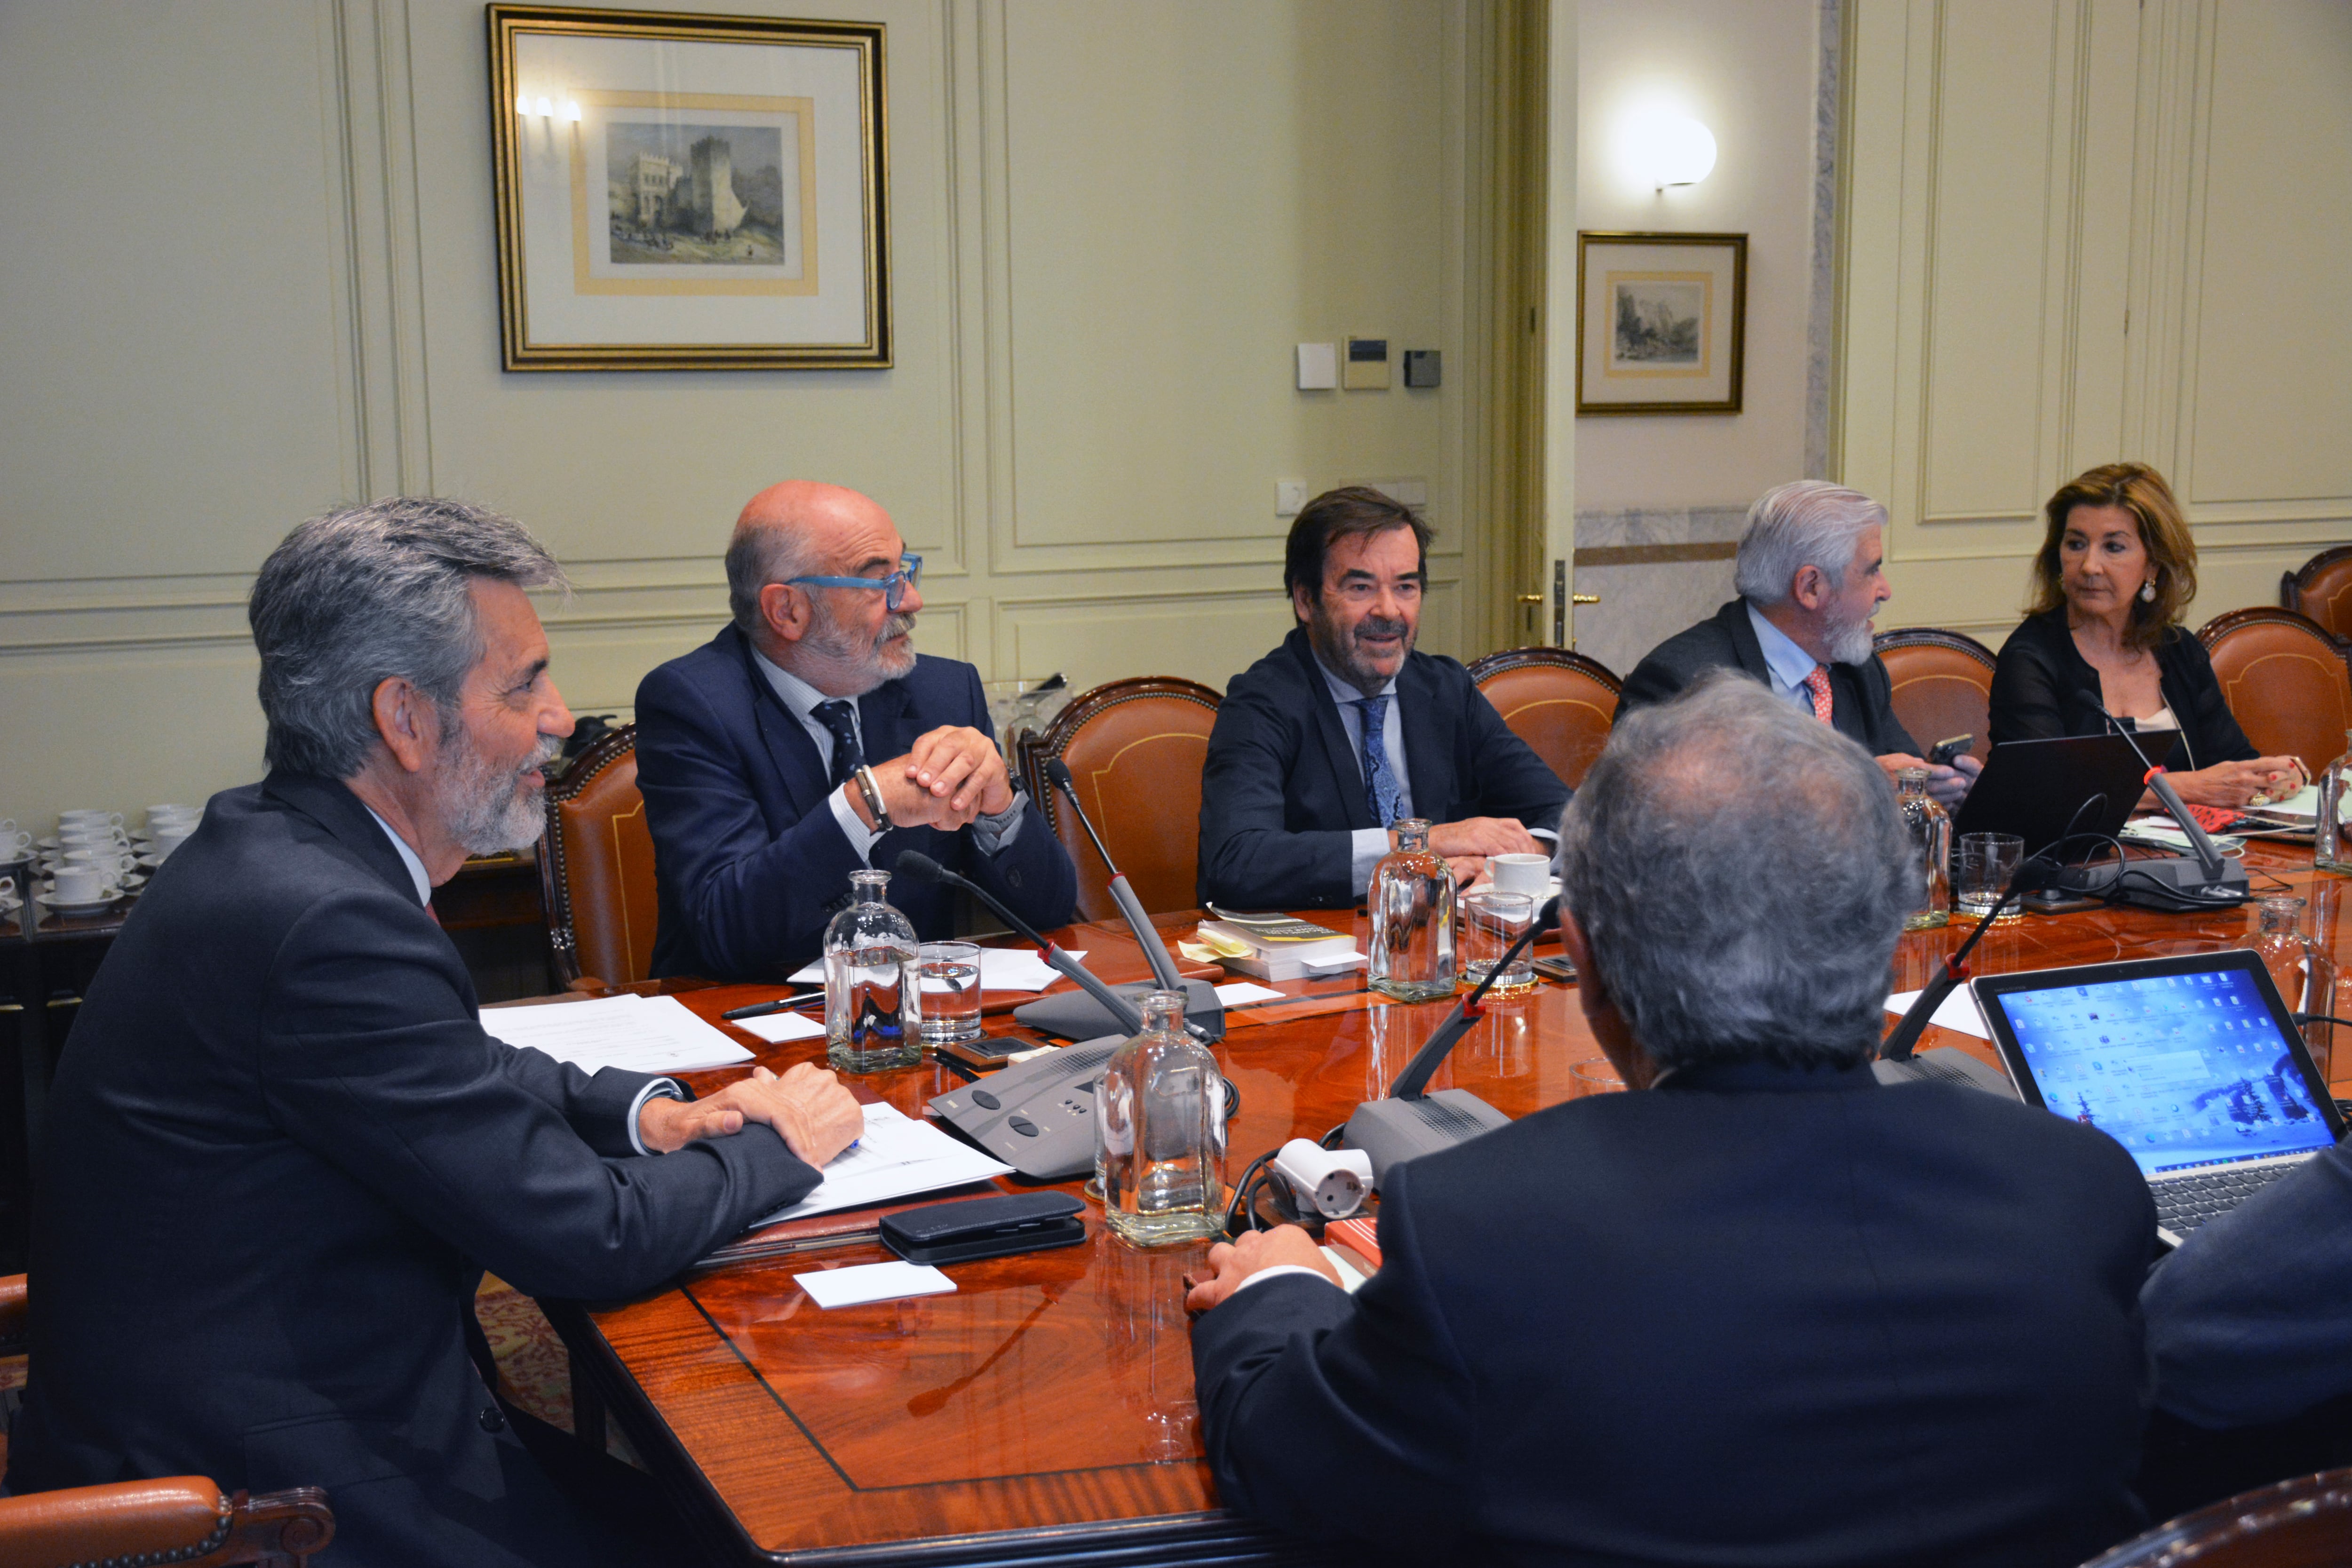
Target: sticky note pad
<point>777,1027</point>
<point>833,1288</point>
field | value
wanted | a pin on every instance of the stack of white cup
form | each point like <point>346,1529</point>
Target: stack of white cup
<point>92,858</point>
<point>168,827</point>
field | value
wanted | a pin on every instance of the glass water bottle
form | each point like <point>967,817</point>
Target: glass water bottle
<point>1930,827</point>
<point>1412,900</point>
<point>2331,845</point>
<point>1160,1133</point>
<point>873,999</point>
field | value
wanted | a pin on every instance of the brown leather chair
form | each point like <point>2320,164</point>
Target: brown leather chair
<point>1559,703</point>
<point>2302,1523</point>
<point>1942,685</point>
<point>596,866</point>
<point>182,1519</point>
<point>1134,749</point>
<point>2286,682</point>
<point>2322,589</point>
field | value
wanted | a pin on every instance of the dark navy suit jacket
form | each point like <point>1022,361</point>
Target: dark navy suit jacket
<point>750,864</point>
<point>1281,790</point>
<point>1861,705</point>
<point>1752,1317</point>
<point>280,1151</point>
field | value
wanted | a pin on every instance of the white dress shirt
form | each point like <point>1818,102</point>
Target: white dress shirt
<point>991,833</point>
<point>659,1088</point>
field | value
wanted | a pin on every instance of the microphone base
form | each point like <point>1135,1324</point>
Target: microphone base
<point>2173,883</point>
<point>1942,1064</point>
<point>1078,1017</point>
<point>1395,1131</point>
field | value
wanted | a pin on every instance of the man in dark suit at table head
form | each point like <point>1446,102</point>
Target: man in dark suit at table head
<point>1345,729</point>
<point>1810,578</point>
<point>282,1149</point>
<point>809,740</point>
<point>1758,1309</point>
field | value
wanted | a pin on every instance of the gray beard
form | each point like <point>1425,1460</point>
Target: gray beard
<point>1849,643</point>
<point>833,661</point>
<point>490,810</point>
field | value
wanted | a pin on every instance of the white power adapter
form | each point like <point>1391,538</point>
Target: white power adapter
<point>1333,1180</point>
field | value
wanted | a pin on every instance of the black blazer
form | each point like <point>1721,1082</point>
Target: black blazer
<point>1281,789</point>
<point>748,860</point>
<point>2043,686</point>
<point>1862,706</point>
<point>1755,1316</point>
<point>279,1153</point>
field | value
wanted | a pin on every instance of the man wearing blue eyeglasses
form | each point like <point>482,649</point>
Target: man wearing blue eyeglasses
<point>808,739</point>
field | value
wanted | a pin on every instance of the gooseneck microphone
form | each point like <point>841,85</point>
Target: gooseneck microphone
<point>921,867</point>
<point>1433,1051</point>
<point>2176,882</point>
<point>2032,873</point>
<point>1147,935</point>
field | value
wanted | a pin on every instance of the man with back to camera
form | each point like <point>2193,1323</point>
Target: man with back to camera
<point>1760,1309</point>
<point>282,1150</point>
<point>1809,580</point>
<point>753,753</point>
<point>1345,729</point>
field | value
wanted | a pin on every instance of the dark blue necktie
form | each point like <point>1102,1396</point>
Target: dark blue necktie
<point>1380,789</point>
<point>848,756</point>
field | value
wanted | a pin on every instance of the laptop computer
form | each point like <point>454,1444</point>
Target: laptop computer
<point>2192,1063</point>
<point>2038,790</point>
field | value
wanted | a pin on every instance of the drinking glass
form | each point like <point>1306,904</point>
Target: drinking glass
<point>1598,1076</point>
<point>1983,863</point>
<point>950,977</point>
<point>1491,920</point>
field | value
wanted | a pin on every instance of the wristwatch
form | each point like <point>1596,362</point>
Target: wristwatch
<point>872,790</point>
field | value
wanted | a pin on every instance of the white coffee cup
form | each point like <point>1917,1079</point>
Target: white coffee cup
<point>92,838</point>
<point>113,862</point>
<point>80,884</point>
<point>15,842</point>
<point>88,816</point>
<point>1530,874</point>
<point>167,839</point>
<point>157,813</point>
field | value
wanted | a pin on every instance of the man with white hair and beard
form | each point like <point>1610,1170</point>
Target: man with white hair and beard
<point>1810,578</point>
<point>282,1150</point>
<point>808,739</point>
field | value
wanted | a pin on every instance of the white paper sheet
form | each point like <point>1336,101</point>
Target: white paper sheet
<point>1958,1011</point>
<point>896,1158</point>
<point>641,1034</point>
<point>1001,969</point>
<point>777,1027</point>
<point>1244,991</point>
<point>864,1282</point>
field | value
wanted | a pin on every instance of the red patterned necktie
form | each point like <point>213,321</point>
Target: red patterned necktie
<point>1818,683</point>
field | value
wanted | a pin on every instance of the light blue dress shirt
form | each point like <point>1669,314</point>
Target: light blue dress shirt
<point>1788,663</point>
<point>1367,845</point>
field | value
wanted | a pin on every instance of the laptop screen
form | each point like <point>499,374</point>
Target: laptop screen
<point>2187,1070</point>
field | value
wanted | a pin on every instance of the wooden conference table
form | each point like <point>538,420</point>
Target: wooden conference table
<point>1044,1412</point>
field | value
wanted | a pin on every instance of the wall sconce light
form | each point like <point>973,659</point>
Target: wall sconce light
<point>1669,148</point>
<point>572,112</point>
<point>544,109</point>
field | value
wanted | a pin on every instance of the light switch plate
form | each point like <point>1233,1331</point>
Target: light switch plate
<point>1424,367</point>
<point>1289,497</point>
<point>1367,368</point>
<point>1319,367</point>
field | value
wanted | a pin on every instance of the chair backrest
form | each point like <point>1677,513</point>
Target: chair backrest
<point>2322,589</point>
<point>2302,1523</point>
<point>1135,750</point>
<point>2286,682</point>
<point>597,866</point>
<point>1942,685</point>
<point>1561,703</point>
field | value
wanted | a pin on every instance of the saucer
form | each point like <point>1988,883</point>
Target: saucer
<point>98,907</point>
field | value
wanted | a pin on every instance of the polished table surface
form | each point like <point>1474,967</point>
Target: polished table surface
<point>1043,1410</point>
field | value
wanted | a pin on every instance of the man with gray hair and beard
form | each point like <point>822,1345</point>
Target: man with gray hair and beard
<point>1758,1309</point>
<point>1810,578</point>
<point>282,1149</point>
<point>808,739</point>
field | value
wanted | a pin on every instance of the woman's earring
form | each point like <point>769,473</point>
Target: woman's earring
<point>2147,592</point>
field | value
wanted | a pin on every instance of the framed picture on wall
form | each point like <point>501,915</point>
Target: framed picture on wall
<point>1661,321</point>
<point>682,192</point>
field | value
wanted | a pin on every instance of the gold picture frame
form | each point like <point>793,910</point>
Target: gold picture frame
<point>1661,321</point>
<point>679,190</point>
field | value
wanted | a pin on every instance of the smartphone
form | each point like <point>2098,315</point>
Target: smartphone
<point>1942,753</point>
<point>1555,969</point>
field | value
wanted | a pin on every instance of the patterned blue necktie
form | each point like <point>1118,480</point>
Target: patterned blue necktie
<point>1380,789</point>
<point>848,756</point>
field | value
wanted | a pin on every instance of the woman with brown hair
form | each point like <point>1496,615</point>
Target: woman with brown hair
<point>2115,569</point>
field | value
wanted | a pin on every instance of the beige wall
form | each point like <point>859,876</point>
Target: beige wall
<point>249,275</point>
<point>2083,230</point>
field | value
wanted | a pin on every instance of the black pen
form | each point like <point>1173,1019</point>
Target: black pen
<point>761,1009</point>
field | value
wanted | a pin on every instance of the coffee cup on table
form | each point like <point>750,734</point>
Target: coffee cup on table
<point>88,816</point>
<point>79,884</point>
<point>167,839</point>
<point>93,838</point>
<point>1530,874</point>
<point>15,842</point>
<point>113,862</point>
<point>158,813</point>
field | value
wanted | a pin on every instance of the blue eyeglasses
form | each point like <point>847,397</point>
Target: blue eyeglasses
<point>894,587</point>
